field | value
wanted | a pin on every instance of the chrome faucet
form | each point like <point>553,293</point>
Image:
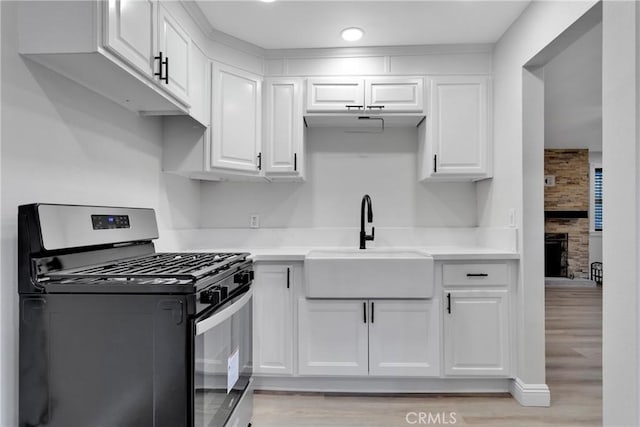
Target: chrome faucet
<point>363,235</point>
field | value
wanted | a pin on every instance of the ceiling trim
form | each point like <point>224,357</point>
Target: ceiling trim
<point>203,23</point>
<point>354,52</point>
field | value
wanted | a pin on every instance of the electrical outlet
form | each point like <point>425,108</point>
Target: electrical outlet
<point>254,221</point>
<point>512,217</point>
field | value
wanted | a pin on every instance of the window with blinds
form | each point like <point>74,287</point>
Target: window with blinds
<point>597,200</point>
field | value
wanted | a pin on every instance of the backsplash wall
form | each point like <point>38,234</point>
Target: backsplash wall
<point>341,168</point>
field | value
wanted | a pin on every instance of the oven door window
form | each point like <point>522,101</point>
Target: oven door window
<point>223,362</point>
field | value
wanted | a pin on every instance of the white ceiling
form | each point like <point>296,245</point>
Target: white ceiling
<point>573,95</point>
<point>286,24</point>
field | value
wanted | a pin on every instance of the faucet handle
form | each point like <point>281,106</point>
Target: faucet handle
<point>373,234</point>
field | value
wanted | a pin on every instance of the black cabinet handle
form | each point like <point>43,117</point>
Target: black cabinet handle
<point>372,311</point>
<point>359,107</point>
<point>166,71</point>
<point>160,64</point>
<point>477,275</point>
<point>288,278</point>
<point>371,107</point>
<point>449,303</point>
<point>295,162</point>
<point>260,161</point>
<point>364,311</point>
<point>435,163</point>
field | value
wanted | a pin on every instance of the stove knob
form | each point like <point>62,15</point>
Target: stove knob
<point>224,292</point>
<point>210,297</point>
<point>241,278</point>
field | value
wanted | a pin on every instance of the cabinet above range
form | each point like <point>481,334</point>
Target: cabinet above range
<point>364,102</point>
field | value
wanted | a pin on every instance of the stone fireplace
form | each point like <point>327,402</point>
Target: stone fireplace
<point>566,205</point>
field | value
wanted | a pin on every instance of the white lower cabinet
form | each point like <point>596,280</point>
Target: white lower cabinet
<point>476,332</point>
<point>273,319</point>
<point>368,337</point>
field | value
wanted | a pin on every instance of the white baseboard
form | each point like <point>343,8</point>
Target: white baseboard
<point>530,394</point>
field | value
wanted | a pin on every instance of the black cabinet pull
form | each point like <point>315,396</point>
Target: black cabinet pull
<point>288,278</point>
<point>435,163</point>
<point>295,162</point>
<point>372,311</point>
<point>477,275</point>
<point>160,64</point>
<point>260,161</point>
<point>364,311</point>
<point>359,107</point>
<point>371,107</point>
<point>449,303</point>
<point>166,71</point>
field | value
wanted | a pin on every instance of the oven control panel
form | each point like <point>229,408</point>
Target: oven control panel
<point>107,222</point>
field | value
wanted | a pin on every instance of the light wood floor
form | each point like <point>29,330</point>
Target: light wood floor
<point>574,375</point>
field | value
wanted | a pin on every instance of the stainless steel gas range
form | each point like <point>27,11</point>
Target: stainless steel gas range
<point>113,333</point>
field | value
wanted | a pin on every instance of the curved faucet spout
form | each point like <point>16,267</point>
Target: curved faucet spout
<point>366,202</point>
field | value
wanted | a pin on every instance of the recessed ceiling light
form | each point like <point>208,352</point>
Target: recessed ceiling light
<point>267,1</point>
<point>352,34</point>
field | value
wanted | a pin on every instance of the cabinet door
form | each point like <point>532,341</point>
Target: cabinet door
<point>395,94</point>
<point>131,32</point>
<point>329,94</point>
<point>332,337</point>
<point>476,333</point>
<point>284,128</point>
<point>404,338</point>
<point>236,119</point>
<point>174,43</point>
<point>199,86</point>
<point>460,129</point>
<point>273,319</point>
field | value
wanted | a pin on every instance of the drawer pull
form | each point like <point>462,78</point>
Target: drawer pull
<point>449,303</point>
<point>477,275</point>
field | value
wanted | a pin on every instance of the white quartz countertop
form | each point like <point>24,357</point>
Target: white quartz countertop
<point>438,253</point>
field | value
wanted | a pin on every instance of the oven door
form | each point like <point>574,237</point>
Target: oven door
<point>223,364</point>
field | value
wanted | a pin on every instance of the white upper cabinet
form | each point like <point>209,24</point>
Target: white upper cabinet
<point>395,94</point>
<point>456,138</point>
<point>376,94</point>
<point>236,120</point>
<point>199,81</point>
<point>335,94</point>
<point>130,32</point>
<point>283,129</point>
<point>174,45</point>
<point>116,48</point>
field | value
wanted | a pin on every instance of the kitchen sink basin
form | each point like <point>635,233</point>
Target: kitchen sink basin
<point>368,273</point>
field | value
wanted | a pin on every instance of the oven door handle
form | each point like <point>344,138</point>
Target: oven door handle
<point>225,314</point>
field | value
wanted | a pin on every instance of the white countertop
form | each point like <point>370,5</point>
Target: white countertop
<point>439,253</point>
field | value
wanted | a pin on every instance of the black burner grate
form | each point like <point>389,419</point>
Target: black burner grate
<point>190,266</point>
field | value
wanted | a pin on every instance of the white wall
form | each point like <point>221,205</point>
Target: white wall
<point>621,205</point>
<point>539,24</point>
<point>341,168</point>
<point>62,143</point>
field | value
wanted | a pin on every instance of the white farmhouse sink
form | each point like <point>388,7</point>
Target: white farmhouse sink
<point>368,273</point>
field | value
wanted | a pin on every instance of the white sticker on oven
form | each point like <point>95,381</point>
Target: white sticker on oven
<point>233,369</point>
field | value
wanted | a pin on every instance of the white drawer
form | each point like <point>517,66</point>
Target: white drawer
<point>475,274</point>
